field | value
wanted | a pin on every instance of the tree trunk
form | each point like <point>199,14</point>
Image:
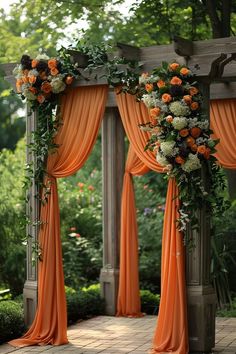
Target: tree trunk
<point>220,24</point>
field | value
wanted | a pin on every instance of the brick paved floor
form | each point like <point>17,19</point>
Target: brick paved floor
<point>112,335</point>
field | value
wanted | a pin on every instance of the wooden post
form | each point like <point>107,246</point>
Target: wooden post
<point>113,157</point>
<point>32,209</point>
<point>200,293</point>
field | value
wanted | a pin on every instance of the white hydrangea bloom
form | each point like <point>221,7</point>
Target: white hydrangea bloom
<point>161,105</point>
<point>179,122</point>
<point>33,72</point>
<point>29,95</point>
<point>143,80</point>
<point>167,147</point>
<point>58,85</point>
<point>17,71</point>
<point>194,122</point>
<point>161,160</point>
<point>192,163</point>
<point>149,100</point>
<point>204,125</point>
<point>42,56</point>
<point>179,109</point>
<point>200,141</point>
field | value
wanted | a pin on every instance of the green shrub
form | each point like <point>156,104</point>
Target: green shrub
<point>149,302</point>
<point>228,312</point>
<point>11,320</point>
<point>84,303</point>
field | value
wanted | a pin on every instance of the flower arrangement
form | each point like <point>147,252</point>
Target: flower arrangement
<point>40,80</point>
<point>180,136</point>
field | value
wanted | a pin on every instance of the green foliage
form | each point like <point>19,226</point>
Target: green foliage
<point>11,320</point>
<point>12,252</point>
<point>84,303</point>
<point>150,193</point>
<point>149,302</point>
<point>230,311</point>
<point>81,227</point>
<point>12,127</point>
<point>223,256</point>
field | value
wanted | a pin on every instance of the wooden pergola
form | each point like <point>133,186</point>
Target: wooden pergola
<point>215,66</point>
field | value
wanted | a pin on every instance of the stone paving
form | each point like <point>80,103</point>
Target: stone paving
<point>116,335</point>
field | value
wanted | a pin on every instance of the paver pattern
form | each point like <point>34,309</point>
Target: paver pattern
<point>116,335</point>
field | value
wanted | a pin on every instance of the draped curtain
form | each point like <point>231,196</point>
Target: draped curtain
<point>223,123</point>
<point>82,111</point>
<point>171,334</point>
<point>128,303</point>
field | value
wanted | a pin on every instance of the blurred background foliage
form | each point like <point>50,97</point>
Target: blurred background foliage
<point>43,27</point>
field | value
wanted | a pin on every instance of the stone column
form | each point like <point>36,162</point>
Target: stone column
<point>113,157</point>
<point>32,210</point>
<point>200,293</point>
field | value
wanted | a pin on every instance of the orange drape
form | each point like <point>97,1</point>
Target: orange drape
<point>171,334</point>
<point>128,303</point>
<point>223,123</point>
<point>82,111</point>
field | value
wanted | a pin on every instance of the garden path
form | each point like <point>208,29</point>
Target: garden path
<point>116,335</point>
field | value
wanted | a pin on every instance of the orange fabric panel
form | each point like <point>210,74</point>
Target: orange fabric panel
<point>171,334</point>
<point>128,302</point>
<point>134,113</point>
<point>82,109</point>
<point>223,123</point>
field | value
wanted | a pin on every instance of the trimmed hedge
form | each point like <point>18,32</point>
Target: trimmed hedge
<point>149,302</point>
<point>11,320</point>
<point>84,303</point>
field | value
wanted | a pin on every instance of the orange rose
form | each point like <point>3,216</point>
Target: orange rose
<point>195,132</point>
<point>176,81</point>
<point>169,119</point>
<point>153,121</point>
<point>41,98</point>
<point>155,112</point>
<point>149,87</point>
<point>173,66</point>
<point>184,71</point>
<point>33,90</point>
<point>183,132</point>
<point>19,82</point>
<point>46,87</point>
<point>34,63</point>
<point>190,141</point>
<point>25,79</point>
<point>193,91</point>
<point>18,87</point>
<point>166,97</point>
<point>54,72</point>
<point>161,83</point>
<point>69,80</point>
<point>194,147</point>
<point>179,160</point>
<point>32,79</point>
<point>52,63</point>
<point>187,99</point>
<point>201,149</point>
<point>194,106</point>
<point>207,153</point>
